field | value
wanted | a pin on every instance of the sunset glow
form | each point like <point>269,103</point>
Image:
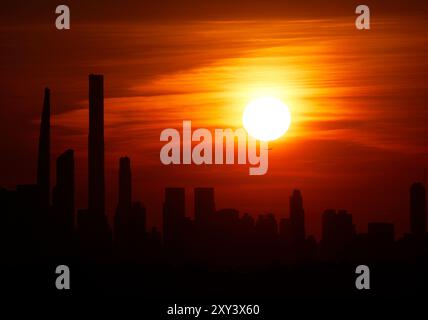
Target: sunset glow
<point>345,91</point>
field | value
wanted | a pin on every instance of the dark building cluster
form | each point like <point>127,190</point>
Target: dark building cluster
<point>34,224</point>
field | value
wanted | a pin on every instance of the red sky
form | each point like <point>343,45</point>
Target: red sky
<point>358,99</point>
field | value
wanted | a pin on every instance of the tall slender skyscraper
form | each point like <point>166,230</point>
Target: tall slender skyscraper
<point>43,158</point>
<point>417,209</point>
<point>96,145</point>
<point>94,231</point>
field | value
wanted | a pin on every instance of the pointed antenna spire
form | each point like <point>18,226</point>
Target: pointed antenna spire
<point>43,160</point>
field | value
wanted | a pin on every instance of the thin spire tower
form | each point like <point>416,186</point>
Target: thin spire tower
<point>43,160</point>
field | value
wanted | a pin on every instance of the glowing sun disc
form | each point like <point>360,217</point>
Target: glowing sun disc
<point>266,118</point>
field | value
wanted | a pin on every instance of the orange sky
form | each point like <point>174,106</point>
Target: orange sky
<point>358,136</point>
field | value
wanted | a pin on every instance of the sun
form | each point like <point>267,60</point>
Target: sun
<point>266,118</point>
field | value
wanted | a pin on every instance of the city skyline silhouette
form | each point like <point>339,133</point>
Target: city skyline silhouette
<point>44,157</point>
<point>216,239</point>
<point>203,197</point>
<point>358,135</point>
<point>204,202</point>
<point>117,187</point>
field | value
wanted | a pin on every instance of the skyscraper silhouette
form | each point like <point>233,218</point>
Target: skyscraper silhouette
<point>96,192</point>
<point>123,210</point>
<point>63,192</point>
<point>292,229</point>
<point>130,218</point>
<point>94,231</point>
<point>61,224</point>
<point>222,255</point>
<point>417,209</point>
<point>297,216</point>
<point>43,157</point>
<point>204,204</point>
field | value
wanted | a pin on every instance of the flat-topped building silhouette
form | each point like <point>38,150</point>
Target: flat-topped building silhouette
<point>418,213</point>
<point>62,221</point>
<point>96,188</point>
<point>130,218</point>
<point>94,231</point>
<point>43,157</point>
